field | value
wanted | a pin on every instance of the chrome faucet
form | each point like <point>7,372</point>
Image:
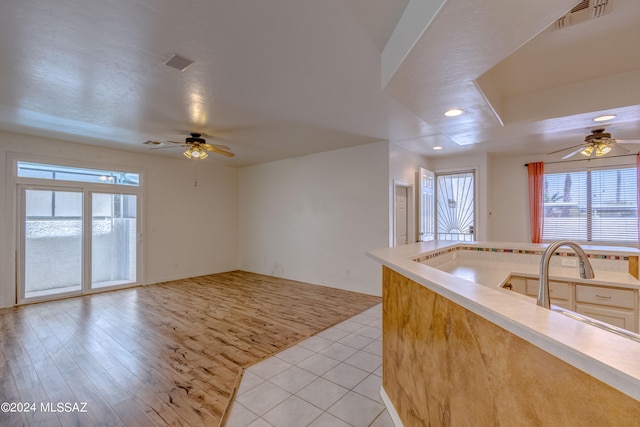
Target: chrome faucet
<point>586,271</point>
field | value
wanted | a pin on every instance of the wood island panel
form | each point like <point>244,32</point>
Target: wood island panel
<point>444,365</point>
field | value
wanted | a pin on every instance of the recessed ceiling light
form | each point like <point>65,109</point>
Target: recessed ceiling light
<point>604,118</point>
<point>437,147</point>
<point>453,112</point>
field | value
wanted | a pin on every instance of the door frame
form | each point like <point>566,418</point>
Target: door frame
<point>87,192</point>
<point>13,226</point>
<point>474,171</point>
<point>411,212</point>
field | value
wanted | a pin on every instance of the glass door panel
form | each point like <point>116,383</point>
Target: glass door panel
<point>455,197</point>
<point>52,228</point>
<point>426,209</point>
<point>113,239</point>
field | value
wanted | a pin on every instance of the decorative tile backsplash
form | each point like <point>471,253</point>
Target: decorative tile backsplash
<point>436,254</point>
<point>432,255</point>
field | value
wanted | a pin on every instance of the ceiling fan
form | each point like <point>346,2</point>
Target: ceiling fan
<point>197,147</point>
<point>599,143</point>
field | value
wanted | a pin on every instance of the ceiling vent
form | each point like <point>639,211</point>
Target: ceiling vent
<point>178,62</point>
<point>584,11</point>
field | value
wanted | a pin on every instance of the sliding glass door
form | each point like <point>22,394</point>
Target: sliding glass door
<point>52,241</point>
<point>73,241</point>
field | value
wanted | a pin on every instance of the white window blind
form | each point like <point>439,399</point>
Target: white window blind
<point>591,206</point>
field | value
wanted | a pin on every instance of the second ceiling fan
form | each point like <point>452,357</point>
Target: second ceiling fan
<point>597,144</point>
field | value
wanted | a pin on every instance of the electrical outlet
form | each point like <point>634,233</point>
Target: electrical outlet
<point>569,262</point>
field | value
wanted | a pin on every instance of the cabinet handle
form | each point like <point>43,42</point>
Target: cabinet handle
<point>603,296</point>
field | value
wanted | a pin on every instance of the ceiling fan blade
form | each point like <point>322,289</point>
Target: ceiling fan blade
<point>169,146</point>
<point>619,149</point>
<point>218,147</point>
<point>574,152</point>
<point>566,148</point>
<point>628,141</point>
<point>224,153</point>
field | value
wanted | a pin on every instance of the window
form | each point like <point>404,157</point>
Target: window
<point>66,173</point>
<point>591,206</point>
<point>455,194</point>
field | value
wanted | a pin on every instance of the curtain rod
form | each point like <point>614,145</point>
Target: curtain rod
<point>585,160</point>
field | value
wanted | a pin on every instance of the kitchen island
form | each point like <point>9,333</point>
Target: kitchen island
<point>465,353</point>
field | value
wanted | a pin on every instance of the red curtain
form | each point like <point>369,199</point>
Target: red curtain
<point>536,200</point>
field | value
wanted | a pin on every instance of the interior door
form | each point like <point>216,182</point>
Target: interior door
<point>402,223</point>
<point>426,206</point>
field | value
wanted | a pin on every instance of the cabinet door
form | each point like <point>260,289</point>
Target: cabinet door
<point>557,290</point>
<point>518,284</point>
<point>616,317</point>
<point>562,303</point>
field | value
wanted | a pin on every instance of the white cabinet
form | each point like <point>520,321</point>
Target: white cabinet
<point>560,293</point>
<point>518,284</point>
<point>616,306</point>
<point>616,317</point>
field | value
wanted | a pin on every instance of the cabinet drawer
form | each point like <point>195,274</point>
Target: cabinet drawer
<point>557,290</point>
<point>605,296</point>
<point>616,317</point>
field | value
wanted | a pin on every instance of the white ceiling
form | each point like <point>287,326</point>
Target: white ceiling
<point>285,78</point>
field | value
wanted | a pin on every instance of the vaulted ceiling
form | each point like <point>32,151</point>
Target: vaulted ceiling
<point>284,78</point>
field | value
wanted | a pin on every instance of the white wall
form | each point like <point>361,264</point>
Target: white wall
<point>312,218</point>
<point>509,199</point>
<point>404,166</point>
<point>174,247</point>
<point>192,230</point>
<point>479,163</point>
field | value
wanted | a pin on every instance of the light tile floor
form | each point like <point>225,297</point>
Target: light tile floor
<point>332,379</point>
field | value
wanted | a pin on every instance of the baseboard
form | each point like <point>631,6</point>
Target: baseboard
<point>296,278</point>
<point>395,418</point>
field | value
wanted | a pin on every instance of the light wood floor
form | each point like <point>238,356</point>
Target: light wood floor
<point>166,354</point>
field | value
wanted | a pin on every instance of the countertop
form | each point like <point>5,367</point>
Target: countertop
<point>614,360</point>
<point>494,274</point>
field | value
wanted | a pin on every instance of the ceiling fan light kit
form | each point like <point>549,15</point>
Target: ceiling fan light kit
<point>195,153</point>
<point>588,151</point>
